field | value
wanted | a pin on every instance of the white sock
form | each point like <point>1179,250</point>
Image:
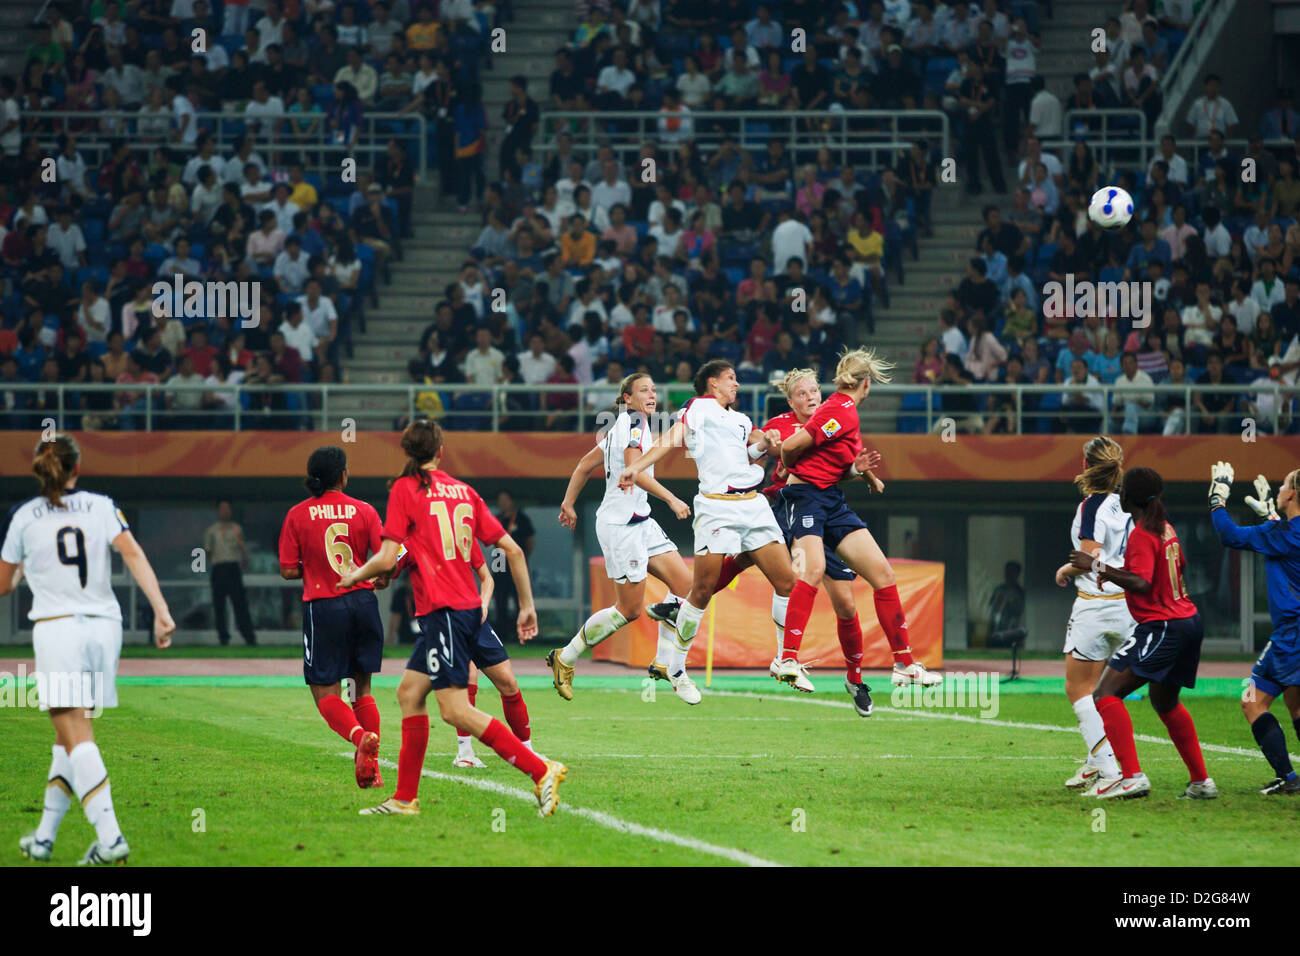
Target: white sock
<point>664,650</point>
<point>779,604</point>
<point>90,783</point>
<point>529,744</point>
<point>1100,754</point>
<point>688,622</point>
<point>58,796</point>
<point>464,746</point>
<point>597,627</point>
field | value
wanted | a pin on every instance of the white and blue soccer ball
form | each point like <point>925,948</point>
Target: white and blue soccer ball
<point>1111,208</point>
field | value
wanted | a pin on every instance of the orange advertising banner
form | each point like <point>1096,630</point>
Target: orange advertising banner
<point>740,621</point>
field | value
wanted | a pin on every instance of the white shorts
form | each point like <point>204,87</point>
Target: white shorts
<point>76,661</point>
<point>735,525</point>
<point>1098,626</point>
<point>628,548</point>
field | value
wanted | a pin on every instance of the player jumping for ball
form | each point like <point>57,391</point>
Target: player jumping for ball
<point>60,540</point>
<point>1165,647</point>
<point>439,518</point>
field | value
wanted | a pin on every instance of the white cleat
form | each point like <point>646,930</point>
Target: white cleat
<point>100,855</point>
<point>685,688</point>
<point>1099,781</point>
<point>914,673</point>
<point>790,671</point>
<point>35,849</point>
<point>1124,788</point>
<point>1084,779</point>
<point>469,761</point>
<point>1205,790</point>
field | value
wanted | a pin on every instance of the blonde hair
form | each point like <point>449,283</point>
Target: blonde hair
<point>860,365</point>
<point>793,378</point>
<point>1103,461</point>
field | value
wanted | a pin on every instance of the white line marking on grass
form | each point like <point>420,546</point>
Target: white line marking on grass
<point>599,817</point>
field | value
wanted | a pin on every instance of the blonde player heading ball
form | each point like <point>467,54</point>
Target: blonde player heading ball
<point>60,540</point>
<point>631,540</point>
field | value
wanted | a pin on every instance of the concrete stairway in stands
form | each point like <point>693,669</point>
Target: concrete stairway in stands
<point>15,35</point>
<point>1067,40</point>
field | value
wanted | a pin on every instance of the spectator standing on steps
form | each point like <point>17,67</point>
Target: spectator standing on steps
<point>520,528</point>
<point>227,554</point>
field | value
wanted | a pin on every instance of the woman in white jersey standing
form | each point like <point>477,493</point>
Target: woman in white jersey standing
<point>1099,621</point>
<point>633,543</point>
<point>731,517</point>
<point>60,541</point>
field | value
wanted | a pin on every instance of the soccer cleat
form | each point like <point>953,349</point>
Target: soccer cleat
<point>547,789</point>
<point>1281,786</point>
<point>1204,790</point>
<point>914,673</point>
<point>861,698</point>
<point>1084,779</point>
<point>35,849</point>
<point>367,759</point>
<point>378,782</point>
<point>563,675</point>
<point>685,688</point>
<point>658,671</point>
<point>665,612</point>
<point>100,855</point>
<point>790,671</point>
<point>395,807</point>
<point>470,761</point>
<point>1099,781</point>
<point>1125,788</point>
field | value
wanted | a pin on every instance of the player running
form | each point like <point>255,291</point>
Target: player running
<point>818,518</point>
<point>322,538</point>
<point>631,540</point>
<point>1099,621</point>
<point>439,518</point>
<point>1277,671</point>
<point>730,516</point>
<point>60,540</point>
<point>1164,649</point>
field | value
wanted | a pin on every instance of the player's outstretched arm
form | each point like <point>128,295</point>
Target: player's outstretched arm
<point>136,562</point>
<point>1128,580</point>
<point>577,481</point>
<point>794,446</point>
<point>647,481</point>
<point>1273,538</point>
<point>385,560</point>
<point>669,440</point>
<point>518,561</point>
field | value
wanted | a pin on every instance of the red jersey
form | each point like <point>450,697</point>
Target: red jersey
<point>419,593</point>
<point>1159,560</point>
<point>837,441</point>
<point>439,525</point>
<point>326,536</point>
<point>786,424</point>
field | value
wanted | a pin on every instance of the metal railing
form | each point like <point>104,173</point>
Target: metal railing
<point>1180,77</point>
<point>317,152</point>
<point>627,130</point>
<point>536,408</point>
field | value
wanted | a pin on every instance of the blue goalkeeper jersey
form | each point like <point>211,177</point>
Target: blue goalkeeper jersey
<point>1279,542</point>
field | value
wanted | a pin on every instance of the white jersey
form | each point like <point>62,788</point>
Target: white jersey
<point>630,430</point>
<point>718,439</point>
<point>65,553</point>
<point>1100,518</point>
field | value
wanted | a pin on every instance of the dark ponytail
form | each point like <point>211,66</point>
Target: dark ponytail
<point>422,442</point>
<point>325,469</point>
<point>54,464</point>
<point>1140,495</point>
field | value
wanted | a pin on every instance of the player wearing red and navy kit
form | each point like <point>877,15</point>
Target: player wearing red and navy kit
<point>438,519</point>
<point>1165,648</point>
<point>322,538</point>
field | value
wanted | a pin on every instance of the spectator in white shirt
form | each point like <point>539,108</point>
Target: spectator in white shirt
<point>283,209</point>
<point>319,312</point>
<point>1139,414</point>
<point>1178,172</point>
<point>207,156</point>
<point>484,362</point>
<point>693,85</point>
<point>1033,155</point>
<point>290,268</point>
<point>1269,289</point>
<point>1045,111</point>
<point>613,82</point>
<point>298,334</point>
<point>1218,241</point>
<point>183,114</point>
<point>263,112</point>
<point>611,190</point>
<point>270,29</point>
<point>1243,308</point>
<point>65,238</point>
<point>71,169</point>
<point>1255,238</point>
<point>536,365</point>
<point>1212,112</point>
<point>791,239</point>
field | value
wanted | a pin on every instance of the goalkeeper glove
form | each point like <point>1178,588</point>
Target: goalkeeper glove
<point>1264,506</point>
<point>1220,484</point>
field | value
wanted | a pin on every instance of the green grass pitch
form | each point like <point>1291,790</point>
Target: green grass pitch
<point>754,774</point>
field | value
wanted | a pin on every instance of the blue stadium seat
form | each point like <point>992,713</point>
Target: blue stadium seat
<point>734,276</point>
<point>911,414</point>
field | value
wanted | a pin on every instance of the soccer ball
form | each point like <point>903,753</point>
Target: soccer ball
<point>1111,208</point>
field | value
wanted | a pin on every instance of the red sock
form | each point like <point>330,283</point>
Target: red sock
<point>889,612</point>
<point>516,712</point>
<point>512,751</point>
<point>730,568</point>
<point>797,613</point>
<point>1183,733</point>
<point>339,716</point>
<point>473,693</point>
<point>1119,731</point>
<point>415,741</point>
<point>850,634</point>
<point>367,712</point>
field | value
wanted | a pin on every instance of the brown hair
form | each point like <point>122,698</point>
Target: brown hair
<point>422,442</point>
<point>54,464</point>
<point>1141,489</point>
<point>625,387</point>
<point>1103,461</point>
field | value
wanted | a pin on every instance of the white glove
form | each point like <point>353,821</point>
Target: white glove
<point>1264,505</point>
<point>1220,484</point>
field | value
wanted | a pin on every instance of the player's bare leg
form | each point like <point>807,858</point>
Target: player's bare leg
<point>666,610</point>
<point>88,781</point>
<point>774,561</point>
<point>1255,707</point>
<point>345,722</point>
<point>629,600</point>
<point>1081,677</point>
<point>513,707</point>
<point>671,570</point>
<point>859,551</point>
<point>1109,696</point>
<point>465,756</point>
<point>849,630</point>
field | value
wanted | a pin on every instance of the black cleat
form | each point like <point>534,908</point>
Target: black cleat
<point>1281,786</point>
<point>861,698</point>
<point>666,612</point>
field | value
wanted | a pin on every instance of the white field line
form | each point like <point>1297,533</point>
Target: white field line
<point>600,818</point>
<point>572,755</point>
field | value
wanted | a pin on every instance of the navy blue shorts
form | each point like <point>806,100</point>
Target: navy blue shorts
<point>1278,667</point>
<point>807,509</point>
<point>449,640</point>
<point>1164,652</point>
<point>341,636</point>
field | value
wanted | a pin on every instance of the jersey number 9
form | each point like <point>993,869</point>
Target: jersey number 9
<point>76,559</point>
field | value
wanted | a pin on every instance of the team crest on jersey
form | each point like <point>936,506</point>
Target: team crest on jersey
<point>121,519</point>
<point>636,435</point>
<point>830,428</point>
<point>808,521</point>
